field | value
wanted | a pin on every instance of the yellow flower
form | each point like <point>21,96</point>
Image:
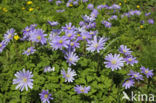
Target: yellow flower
<point>120,4</point>
<point>23,8</point>
<point>5,9</point>
<point>31,9</point>
<point>125,1</point>
<point>16,37</point>
<point>70,5</point>
<point>29,2</point>
<point>138,6</point>
<point>141,26</point>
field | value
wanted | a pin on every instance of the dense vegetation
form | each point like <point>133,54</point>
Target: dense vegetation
<point>116,23</point>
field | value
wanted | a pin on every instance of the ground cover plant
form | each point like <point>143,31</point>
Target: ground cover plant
<point>77,51</point>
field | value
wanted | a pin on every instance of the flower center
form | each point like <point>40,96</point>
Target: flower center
<point>70,59</point>
<point>82,90</point>
<point>146,71</point>
<point>69,28</point>
<point>91,33</point>
<point>113,61</point>
<point>9,36</point>
<point>96,45</point>
<point>60,41</point>
<point>0,45</point>
<point>67,75</point>
<point>78,35</point>
<point>28,50</point>
<point>69,35</point>
<point>39,37</point>
<point>46,96</point>
<point>124,51</point>
<point>71,44</point>
<point>24,80</point>
<point>84,37</point>
<point>27,29</point>
<point>127,81</point>
<point>135,75</point>
<point>130,59</point>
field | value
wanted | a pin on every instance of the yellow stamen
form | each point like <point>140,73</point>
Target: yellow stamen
<point>10,35</point>
<point>91,33</point>
<point>84,37</point>
<point>69,28</point>
<point>69,35</point>
<point>68,75</point>
<point>46,96</point>
<point>71,44</point>
<point>27,29</point>
<point>113,61</point>
<point>25,80</point>
<point>60,41</point>
<point>135,75</point>
<point>96,45</point>
<point>130,59</point>
<point>82,90</point>
<point>39,37</point>
<point>146,71</point>
<point>127,81</point>
<point>70,59</point>
<point>124,51</point>
<point>28,50</point>
<point>78,35</point>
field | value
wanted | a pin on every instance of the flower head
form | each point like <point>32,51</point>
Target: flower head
<point>24,80</point>
<point>130,60</point>
<point>79,89</point>
<point>124,50</point>
<point>114,61</point>
<point>74,44</point>
<point>70,34</point>
<point>107,24</point>
<point>68,27</point>
<point>71,58</point>
<point>136,75</point>
<point>29,51</point>
<point>45,96</point>
<point>29,2</point>
<point>9,35</point>
<point>150,21</point>
<point>38,35</point>
<point>54,23</point>
<point>49,69</point>
<point>147,72</point>
<point>59,42</point>
<point>90,6</point>
<point>128,83</point>
<point>96,44</point>
<point>16,37</point>
<point>68,75</point>
<point>2,46</point>
<point>94,13</point>
<point>84,36</point>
